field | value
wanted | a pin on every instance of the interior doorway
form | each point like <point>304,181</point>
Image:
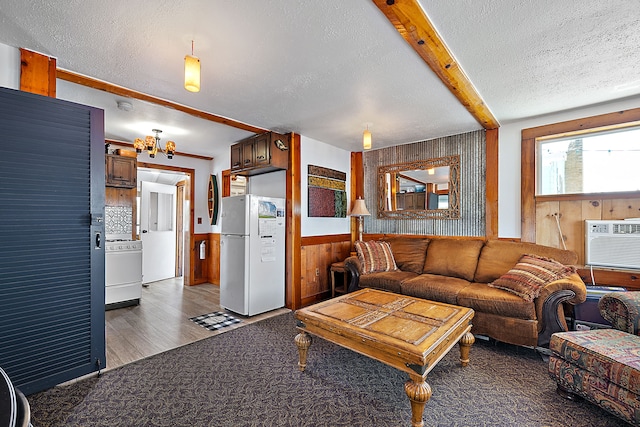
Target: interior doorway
<point>160,222</point>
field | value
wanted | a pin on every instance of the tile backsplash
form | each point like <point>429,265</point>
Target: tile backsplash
<point>118,219</point>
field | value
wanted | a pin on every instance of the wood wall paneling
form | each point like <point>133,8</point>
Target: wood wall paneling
<point>317,255</point>
<point>213,258</point>
<point>541,214</point>
<point>491,207</point>
<point>357,188</point>
<point>610,277</point>
<point>37,73</point>
<point>199,267</point>
<point>293,266</point>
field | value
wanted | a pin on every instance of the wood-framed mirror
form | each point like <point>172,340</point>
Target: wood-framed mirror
<point>422,189</point>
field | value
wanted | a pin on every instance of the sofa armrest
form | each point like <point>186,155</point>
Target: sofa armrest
<point>352,264</point>
<point>549,309</point>
<point>621,309</point>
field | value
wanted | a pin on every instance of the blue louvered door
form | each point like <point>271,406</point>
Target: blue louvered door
<point>51,256</point>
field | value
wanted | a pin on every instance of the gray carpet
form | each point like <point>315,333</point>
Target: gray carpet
<point>249,377</point>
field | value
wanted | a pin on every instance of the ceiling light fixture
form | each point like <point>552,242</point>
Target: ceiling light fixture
<point>124,105</point>
<point>192,72</point>
<point>366,139</point>
<point>152,145</point>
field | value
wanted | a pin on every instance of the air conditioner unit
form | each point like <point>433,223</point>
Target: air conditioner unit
<point>613,243</point>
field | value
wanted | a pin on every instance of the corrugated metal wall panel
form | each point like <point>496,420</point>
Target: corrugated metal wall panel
<point>47,299</point>
<point>472,150</point>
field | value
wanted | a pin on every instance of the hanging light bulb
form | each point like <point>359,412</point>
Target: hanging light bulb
<point>366,139</point>
<point>192,72</point>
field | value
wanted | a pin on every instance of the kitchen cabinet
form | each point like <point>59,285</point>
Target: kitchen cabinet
<point>121,171</point>
<point>410,201</point>
<point>259,154</point>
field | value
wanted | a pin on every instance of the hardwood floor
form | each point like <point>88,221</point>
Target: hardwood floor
<point>161,321</point>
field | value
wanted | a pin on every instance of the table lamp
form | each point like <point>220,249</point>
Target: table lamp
<point>359,210</point>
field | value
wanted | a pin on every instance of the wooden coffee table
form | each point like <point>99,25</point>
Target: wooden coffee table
<point>409,334</point>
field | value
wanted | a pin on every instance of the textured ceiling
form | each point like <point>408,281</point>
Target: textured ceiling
<point>328,69</point>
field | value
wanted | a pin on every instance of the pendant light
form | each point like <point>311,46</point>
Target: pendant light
<point>366,139</point>
<point>192,72</point>
<point>152,145</point>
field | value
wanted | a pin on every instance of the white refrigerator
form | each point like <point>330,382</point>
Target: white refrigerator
<point>252,256</point>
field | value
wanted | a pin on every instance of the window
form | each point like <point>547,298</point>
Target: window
<point>599,161</point>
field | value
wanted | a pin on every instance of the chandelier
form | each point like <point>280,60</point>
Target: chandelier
<point>152,145</point>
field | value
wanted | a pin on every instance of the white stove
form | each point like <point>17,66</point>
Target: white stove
<point>123,273</point>
<point>122,245</point>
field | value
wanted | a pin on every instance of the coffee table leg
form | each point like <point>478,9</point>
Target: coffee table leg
<point>303,341</point>
<point>419,392</point>
<point>465,344</point>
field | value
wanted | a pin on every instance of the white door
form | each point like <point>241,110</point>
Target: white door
<point>158,231</point>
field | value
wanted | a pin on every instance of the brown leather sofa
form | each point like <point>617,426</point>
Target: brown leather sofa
<point>458,271</point>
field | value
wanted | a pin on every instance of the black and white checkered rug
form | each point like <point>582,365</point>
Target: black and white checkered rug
<point>215,321</point>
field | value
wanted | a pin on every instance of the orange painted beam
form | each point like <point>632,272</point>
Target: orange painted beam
<point>414,26</point>
<point>70,76</point>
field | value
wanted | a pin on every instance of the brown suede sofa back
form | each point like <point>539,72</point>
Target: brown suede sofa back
<point>458,271</point>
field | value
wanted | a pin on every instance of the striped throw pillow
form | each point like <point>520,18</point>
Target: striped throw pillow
<point>530,275</point>
<point>375,256</point>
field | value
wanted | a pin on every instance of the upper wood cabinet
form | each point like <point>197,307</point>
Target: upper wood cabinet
<point>121,171</point>
<point>260,154</point>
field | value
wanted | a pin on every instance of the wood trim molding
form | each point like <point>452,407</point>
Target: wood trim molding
<point>491,177</point>
<point>528,157</point>
<point>414,26</point>
<point>70,76</point>
<point>189,266</point>
<point>37,73</point>
<point>357,188</point>
<point>226,183</point>
<point>293,268</point>
<point>319,240</point>
<point>177,153</point>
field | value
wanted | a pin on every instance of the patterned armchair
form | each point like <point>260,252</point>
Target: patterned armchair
<point>603,365</point>
<point>622,311</point>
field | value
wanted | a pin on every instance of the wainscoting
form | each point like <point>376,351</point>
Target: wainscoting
<point>565,217</point>
<point>317,255</point>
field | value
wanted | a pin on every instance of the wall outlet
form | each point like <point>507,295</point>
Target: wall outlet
<point>317,271</point>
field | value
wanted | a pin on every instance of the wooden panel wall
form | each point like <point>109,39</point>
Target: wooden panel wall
<point>199,267</point>
<point>548,220</point>
<point>317,255</point>
<point>213,258</point>
<point>37,73</point>
<point>569,216</point>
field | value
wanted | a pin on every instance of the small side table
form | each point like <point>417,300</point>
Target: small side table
<point>339,267</point>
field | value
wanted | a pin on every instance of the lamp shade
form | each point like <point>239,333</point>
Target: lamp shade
<point>192,73</point>
<point>366,140</point>
<point>359,208</point>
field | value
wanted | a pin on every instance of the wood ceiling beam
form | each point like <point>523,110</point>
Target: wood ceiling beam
<point>414,26</point>
<point>72,77</point>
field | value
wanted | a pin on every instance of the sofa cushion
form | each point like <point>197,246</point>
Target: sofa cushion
<point>434,287</point>
<point>453,257</point>
<point>375,256</point>
<point>485,299</point>
<point>498,256</point>
<point>386,280</point>
<point>409,253</point>
<point>530,274</point>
